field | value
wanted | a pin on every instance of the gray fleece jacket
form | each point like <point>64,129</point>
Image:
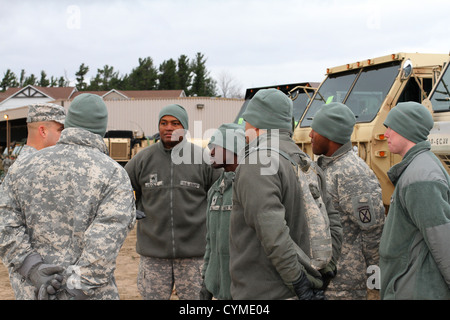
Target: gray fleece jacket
<point>171,186</point>
<point>266,224</point>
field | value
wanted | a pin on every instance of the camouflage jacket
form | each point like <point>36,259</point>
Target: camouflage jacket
<point>72,204</point>
<point>356,194</point>
<point>26,150</point>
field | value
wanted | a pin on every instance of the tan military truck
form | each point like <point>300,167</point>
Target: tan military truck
<point>370,88</point>
<point>438,103</point>
<point>301,94</point>
<point>124,144</point>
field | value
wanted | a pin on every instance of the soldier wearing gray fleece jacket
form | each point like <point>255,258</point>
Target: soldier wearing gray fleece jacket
<point>269,229</point>
<point>414,248</point>
<point>171,181</point>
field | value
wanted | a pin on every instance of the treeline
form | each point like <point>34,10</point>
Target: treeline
<point>187,74</point>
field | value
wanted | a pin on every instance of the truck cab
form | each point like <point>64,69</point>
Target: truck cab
<point>371,88</point>
<point>301,94</point>
<point>438,103</point>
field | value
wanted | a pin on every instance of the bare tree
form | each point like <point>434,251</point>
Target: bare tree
<point>228,86</point>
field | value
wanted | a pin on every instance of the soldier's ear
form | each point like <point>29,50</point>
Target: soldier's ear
<point>42,131</point>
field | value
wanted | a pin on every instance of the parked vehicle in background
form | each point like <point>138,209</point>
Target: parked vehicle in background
<point>438,103</point>
<point>124,144</point>
<point>301,93</point>
<point>370,88</point>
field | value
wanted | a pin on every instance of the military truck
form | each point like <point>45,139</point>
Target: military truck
<point>438,103</point>
<point>300,93</point>
<point>124,144</point>
<point>370,88</point>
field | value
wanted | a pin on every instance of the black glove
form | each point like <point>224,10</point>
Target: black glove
<point>328,273</point>
<point>319,295</point>
<point>304,290</point>
<point>140,214</point>
<point>204,293</point>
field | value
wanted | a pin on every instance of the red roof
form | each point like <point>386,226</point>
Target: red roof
<point>53,92</point>
<point>138,94</point>
<point>68,93</point>
<point>8,92</point>
<point>57,92</point>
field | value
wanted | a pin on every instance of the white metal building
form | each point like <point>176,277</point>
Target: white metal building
<point>142,115</point>
<point>127,110</point>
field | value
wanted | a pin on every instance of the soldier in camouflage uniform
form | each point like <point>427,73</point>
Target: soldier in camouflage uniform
<point>356,194</point>
<point>7,162</point>
<point>45,121</point>
<point>65,212</point>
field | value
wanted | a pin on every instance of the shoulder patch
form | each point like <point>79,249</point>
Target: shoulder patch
<point>363,210</point>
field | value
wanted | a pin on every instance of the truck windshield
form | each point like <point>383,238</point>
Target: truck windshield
<point>300,99</point>
<point>299,103</point>
<point>333,89</point>
<point>440,98</point>
<point>366,96</point>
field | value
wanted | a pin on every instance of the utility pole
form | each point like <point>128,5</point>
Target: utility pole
<point>8,133</point>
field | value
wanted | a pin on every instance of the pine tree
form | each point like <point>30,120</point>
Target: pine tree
<point>106,79</point>
<point>82,71</point>
<point>168,78</point>
<point>202,84</point>
<point>9,80</point>
<point>62,82</point>
<point>184,73</point>
<point>43,82</point>
<point>31,80</point>
<point>144,76</point>
<point>22,78</point>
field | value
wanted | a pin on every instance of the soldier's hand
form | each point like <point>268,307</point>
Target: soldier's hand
<point>47,275</point>
<point>328,273</point>
<point>44,295</point>
<point>140,214</point>
<point>204,293</point>
<point>304,290</point>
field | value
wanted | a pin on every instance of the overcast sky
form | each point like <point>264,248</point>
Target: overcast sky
<point>258,43</point>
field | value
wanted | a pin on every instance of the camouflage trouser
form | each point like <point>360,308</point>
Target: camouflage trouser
<point>157,277</point>
<point>346,295</point>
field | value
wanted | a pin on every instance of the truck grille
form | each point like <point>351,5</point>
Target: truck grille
<point>445,161</point>
<point>119,150</point>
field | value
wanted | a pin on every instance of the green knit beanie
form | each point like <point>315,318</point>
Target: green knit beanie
<point>176,111</point>
<point>411,120</point>
<point>229,136</point>
<point>89,112</point>
<point>334,121</point>
<point>269,109</point>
